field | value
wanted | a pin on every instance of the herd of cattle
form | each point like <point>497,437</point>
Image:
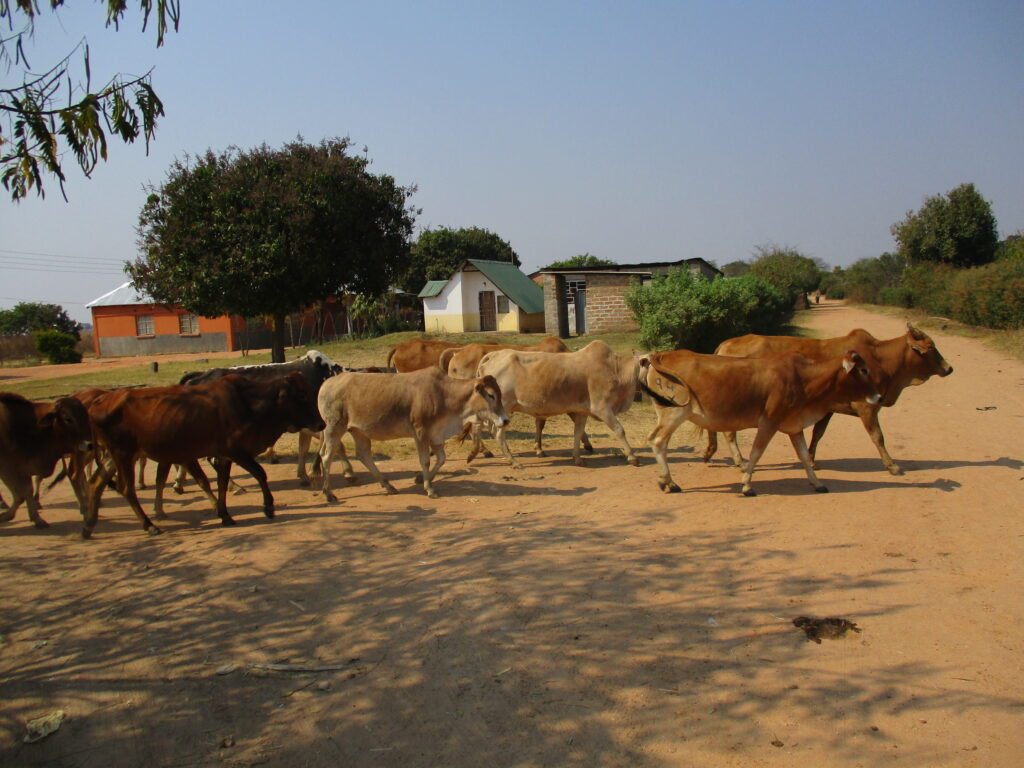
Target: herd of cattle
<point>431,391</point>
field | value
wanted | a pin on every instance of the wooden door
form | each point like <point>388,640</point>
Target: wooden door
<point>488,311</point>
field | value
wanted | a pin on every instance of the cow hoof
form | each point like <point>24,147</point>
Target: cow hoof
<point>541,455</point>
<point>86,535</point>
<point>488,455</point>
<point>330,497</point>
<point>418,480</point>
<point>588,448</point>
<point>578,461</point>
<point>269,512</point>
<point>390,490</point>
<point>226,521</point>
<point>160,515</point>
<point>669,487</point>
<point>634,461</point>
<point>821,489</point>
<point>432,494</point>
<point>178,490</point>
<point>40,523</point>
<point>304,482</point>
<point>351,479</point>
<point>750,492</point>
<point>894,469</point>
<point>153,531</point>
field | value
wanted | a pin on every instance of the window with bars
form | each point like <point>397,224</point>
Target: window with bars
<point>143,325</point>
<point>571,288</point>
<point>503,305</point>
<point>188,325</point>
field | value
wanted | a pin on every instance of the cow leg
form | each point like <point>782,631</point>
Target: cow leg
<point>669,420</point>
<point>126,471</point>
<point>478,443</point>
<point>734,449</point>
<point>764,435</point>
<point>97,485</point>
<point>869,418</point>
<point>424,449</point>
<point>330,444</point>
<point>163,469</point>
<point>179,481</point>
<point>539,426</point>
<point>608,417</point>
<point>250,465</point>
<point>503,445</point>
<point>712,447</point>
<point>223,467</point>
<point>305,440</point>
<point>21,490</point>
<point>800,446</point>
<point>579,429</point>
<point>365,454</point>
<point>142,473</point>
<point>817,434</point>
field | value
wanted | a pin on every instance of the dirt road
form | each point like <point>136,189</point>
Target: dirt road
<point>554,615</point>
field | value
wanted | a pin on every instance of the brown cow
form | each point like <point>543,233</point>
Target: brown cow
<point>425,405</point>
<point>904,361</point>
<point>591,382</point>
<point>33,438</point>
<point>232,418</point>
<point>786,393</point>
<point>462,364</point>
<point>416,354</point>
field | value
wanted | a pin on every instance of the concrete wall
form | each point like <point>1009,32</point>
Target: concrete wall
<point>134,346</point>
<point>115,332</point>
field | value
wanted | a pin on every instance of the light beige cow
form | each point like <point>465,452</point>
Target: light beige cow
<point>461,363</point>
<point>595,381</point>
<point>426,405</point>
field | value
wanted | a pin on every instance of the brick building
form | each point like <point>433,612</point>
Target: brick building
<point>580,300</point>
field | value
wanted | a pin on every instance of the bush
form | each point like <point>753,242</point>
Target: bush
<point>990,296</point>
<point>683,311</point>
<point>59,347</point>
<point>927,287</point>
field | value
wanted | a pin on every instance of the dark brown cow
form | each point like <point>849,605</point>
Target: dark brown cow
<point>786,393</point>
<point>462,364</point>
<point>33,438</point>
<point>416,354</point>
<point>232,418</point>
<point>907,360</point>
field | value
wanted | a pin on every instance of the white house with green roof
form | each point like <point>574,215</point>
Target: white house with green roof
<point>483,296</point>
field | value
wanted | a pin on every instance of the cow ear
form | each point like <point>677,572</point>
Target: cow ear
<point>849,361</point>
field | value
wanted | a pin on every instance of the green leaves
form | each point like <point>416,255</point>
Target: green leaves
<point>956,229</point>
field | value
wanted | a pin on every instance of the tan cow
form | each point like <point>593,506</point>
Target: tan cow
<point>416,354</point>
<point>591,382</point>
<point>786,393</point>
<point>33,438</point>
<point>461,363</point>
<point>907,360</point>
<point>426,405</point>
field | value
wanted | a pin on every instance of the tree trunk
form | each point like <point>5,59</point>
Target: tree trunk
<point>277,344</point>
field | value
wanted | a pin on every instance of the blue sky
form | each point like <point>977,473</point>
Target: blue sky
<point>647,131</point>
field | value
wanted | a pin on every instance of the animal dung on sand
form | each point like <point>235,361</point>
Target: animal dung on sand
<point>831,627</point>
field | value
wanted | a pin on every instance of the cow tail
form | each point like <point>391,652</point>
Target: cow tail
<point>391,354</point>
<point>466,429</point>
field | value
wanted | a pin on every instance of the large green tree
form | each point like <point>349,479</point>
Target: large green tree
<point>267,231</point>
<point>582,260</point>
<point>59,109</point>
<point>439,252</point>
<point>28,316</point>
<point>787,269</point>
<point>957,228</point>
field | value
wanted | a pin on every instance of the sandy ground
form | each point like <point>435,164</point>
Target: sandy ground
<point>553,615</point>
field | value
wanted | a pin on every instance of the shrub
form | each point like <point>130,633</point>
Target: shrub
<point>927,287</point>
<point>991,296</point>
<point>683,311</point>
<point>59,347</point>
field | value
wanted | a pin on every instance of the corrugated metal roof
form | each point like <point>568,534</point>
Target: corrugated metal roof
<point>520,289</point>
<point>432,288</point>
<point>122,296</point>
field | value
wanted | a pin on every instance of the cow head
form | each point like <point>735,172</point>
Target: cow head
<point>324,365</point>
<point>69,422</point>
<point>297,403</point>
<point>859,382</point>
<point>484,404</point>
<point>923,358</point>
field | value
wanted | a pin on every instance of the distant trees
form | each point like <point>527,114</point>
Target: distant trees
<point>266,232</point>
<point>736,268</point>
<point>38,126</point>
<point>439,252</point>
<point>29,316</point>
<point>957,229</point>
<point>581,260</point>
<point>788,270</point>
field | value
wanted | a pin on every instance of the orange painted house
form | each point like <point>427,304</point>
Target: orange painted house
<point>127,323</point>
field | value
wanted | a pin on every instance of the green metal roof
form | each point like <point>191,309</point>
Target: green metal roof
<point>432,288</point>
<point>507,277</point>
